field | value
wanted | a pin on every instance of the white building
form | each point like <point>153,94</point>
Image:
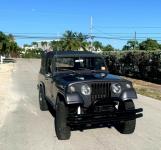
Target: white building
<point>29,47</point>
<point>43,44</point>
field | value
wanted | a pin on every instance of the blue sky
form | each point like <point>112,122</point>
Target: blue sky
<point>109,16</point>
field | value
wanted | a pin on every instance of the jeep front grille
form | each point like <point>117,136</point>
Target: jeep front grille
<point>100,90</point>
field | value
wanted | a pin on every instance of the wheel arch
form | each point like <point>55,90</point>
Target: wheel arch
<point>61,97</point>
<point>42,85</point>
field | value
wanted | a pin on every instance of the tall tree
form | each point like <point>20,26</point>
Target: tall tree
<point>160,46</point>
<point>131,45</point>
<point>108,48</point>
<point>3,43</point>
<point>44,44</point>
<point>97,45</point>
<point>149,45</point>
<point>8,44</point>
<point>69,40</point>
<point>81,42</point>
<point>57,45</point>
<point>35,44</point>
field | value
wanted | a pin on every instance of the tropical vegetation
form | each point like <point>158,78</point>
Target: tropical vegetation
<point>69,41</point>
<point>8,46</point>
<point>147,45</point>
<point>77,41</point>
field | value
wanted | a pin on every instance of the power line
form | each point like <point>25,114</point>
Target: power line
<point>132,36</point>
<point>29,33</point>
<point>133,27</point>
<point>93,33</point>
<point>88,37</point>
<point>99,32</point>
<point>123,33</point>
<point>45,37</point>
<point>122,39</point>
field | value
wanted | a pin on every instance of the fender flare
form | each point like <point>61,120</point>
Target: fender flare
<point>128,94</point>
<point>41,84</point>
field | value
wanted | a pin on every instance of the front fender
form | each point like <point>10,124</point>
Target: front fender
<point>128,94</point>
<point>74,98</point>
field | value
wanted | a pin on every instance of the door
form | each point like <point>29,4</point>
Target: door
<point>48,79</point>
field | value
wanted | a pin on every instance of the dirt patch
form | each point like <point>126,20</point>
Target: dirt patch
<point>147,88</point>
<point>7,97</point>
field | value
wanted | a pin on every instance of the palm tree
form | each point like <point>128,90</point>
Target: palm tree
<point>2,43</point>
<point>69,40</point>
<point>11,46</point>
<point>57,45</point>
<point>8,46</point>
<point>43,44</point>
<point>35,44</point>
<point>97,45</point>
<point>81,41</point>
<point>74,41</point>
<point>11,38</point>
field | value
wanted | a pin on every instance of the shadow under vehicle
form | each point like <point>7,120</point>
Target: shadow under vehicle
<point>79,88</point>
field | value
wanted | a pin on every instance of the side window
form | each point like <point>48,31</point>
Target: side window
<point>64,63</point>
<point>49,65</point>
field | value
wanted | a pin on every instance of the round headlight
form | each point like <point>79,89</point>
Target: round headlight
<point>116,88</point>
<point>85,89</point>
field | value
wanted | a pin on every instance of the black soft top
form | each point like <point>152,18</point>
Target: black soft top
<point>71,54</point>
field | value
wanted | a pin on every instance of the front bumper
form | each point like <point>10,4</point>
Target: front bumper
<point>104,117</point>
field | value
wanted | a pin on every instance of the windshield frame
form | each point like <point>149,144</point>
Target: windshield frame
<point>55,70</point>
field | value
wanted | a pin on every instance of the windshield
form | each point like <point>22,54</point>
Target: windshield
<point>74,63</point>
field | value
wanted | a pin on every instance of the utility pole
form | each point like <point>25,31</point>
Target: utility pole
<point>91,30</point>
<point>57,40</point>
<point>135,41</point>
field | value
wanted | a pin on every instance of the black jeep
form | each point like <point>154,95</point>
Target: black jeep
<point>82,92</point>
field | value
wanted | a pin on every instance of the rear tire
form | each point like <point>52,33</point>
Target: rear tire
<point>126,127</point>
<point>62,130</point>
<point>42,100</point>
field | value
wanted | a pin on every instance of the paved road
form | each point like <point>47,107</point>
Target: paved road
<point>27,128</point>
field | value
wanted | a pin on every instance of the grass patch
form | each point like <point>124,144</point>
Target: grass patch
<point>147,88</point>
<point>149,93</point>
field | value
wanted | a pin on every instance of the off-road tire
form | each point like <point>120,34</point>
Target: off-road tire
<point>42,101</point>
<point>62,130</point>
<point>126,127</point>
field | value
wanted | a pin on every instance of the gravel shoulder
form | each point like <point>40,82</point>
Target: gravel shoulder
<point>8,98</point>
<point>24,126</point>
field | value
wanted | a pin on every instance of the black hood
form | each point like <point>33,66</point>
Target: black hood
<point>78,77</point>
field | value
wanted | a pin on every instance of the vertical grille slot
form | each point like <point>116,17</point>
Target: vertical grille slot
<point>100,90</point>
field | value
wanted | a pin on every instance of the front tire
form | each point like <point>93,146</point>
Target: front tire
<point>42,100</point>
<point>61,128</point>
<point>126,127</point>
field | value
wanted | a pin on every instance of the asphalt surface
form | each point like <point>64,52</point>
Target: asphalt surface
<point>27,128</point>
